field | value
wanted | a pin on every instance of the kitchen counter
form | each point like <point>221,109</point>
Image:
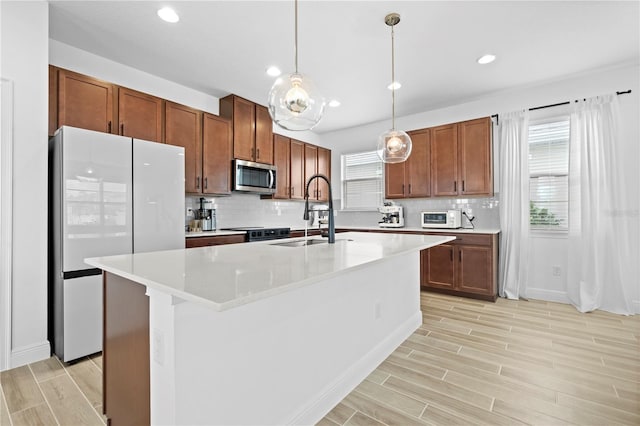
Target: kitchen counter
<point>222,277</point>
<point>227,323</point>
<point>217,233</point>
<point>431,230</point>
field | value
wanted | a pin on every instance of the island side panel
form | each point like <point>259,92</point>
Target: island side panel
<point>125,352</point>
<point>290,358</point>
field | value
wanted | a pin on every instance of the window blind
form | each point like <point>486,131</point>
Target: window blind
<point>362,181</point>
<point>549,171</point>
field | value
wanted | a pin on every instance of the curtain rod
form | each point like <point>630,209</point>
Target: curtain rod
<point>555,105</point>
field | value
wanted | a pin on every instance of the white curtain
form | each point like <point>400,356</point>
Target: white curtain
<point>600,270</point>
<point>514,204</point>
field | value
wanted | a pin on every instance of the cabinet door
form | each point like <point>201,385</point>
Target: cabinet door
<point>183,128</point>
<point>297,181</point>
<point>475,157</point>
<point>474,269</point>
<point>394,185</point>
<point>264,136</point>
<point>310,169</point>
<point>84,102</point>
<point>417,174</point>
<point>216,155</point>
<point>444,160</point>
<point>438,267</point>
<point>324,168</point>
<point>282,157</point>
<point>244,119</point>
<point>53,100</point>
<point>139,115</point>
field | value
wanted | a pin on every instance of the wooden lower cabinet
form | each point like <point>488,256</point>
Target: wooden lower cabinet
<point>466,266</point>
<point>125,358</point>
<point>214,240</point>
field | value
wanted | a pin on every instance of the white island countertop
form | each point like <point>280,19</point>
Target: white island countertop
<point>223,277</point>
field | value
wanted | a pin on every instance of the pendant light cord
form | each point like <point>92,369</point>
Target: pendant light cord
<point>295,48</point>
<point>393,82</point>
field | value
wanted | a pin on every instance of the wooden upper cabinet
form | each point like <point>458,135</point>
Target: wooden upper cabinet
<point>297,176</point>
<point>216,155</point>
<point>264,136</point>
<point>310,169</point>
<point>474,138</point>
<point>139,115</point>
<point>282,161</point>
<point>182,128</point>
<point>411,178</point>
<point>419,162</point>
<point>252,129</point>
<point>82,102</point>
<point>444,160</point>
<point>461,159</point>
<point>324,168</point>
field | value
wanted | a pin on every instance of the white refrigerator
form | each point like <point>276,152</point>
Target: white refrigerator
<point>109,195</point>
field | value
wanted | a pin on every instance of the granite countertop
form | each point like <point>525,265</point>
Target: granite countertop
<point>217,233</point>
<point>223,277</point>
<point>433,230</point>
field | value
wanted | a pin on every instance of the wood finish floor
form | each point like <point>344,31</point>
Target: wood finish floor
<point>471,363</point>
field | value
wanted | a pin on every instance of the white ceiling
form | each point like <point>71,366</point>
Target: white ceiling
<point>222,47</point>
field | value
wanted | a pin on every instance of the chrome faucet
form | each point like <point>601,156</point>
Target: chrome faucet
<point>332,226</point>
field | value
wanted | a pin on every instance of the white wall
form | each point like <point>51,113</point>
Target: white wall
<point>546,252</point>
<point>24,51</point>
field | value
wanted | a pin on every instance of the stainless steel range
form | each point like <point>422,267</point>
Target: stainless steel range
<point>255,233</point>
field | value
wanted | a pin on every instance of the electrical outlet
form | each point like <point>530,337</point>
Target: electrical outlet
<point>556,271</point>
<point>189,212</point>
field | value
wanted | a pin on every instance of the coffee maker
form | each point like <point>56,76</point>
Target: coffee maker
<point>392,215</point>
<point>206,215</point>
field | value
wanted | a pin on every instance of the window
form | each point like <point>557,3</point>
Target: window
<point>549,174</point>
<point>362,181</point>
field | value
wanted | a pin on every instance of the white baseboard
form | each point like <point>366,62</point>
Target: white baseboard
<point>28,354</point>
<point>356,374</point>
<point>548,295</point>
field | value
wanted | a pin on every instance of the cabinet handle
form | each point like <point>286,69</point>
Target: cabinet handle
<point>455,186</point>
<point>409,188</point>
<point>257,153</point>
<point>451,255</point>
<point>403,188</point>
<point>109,127</point>
<point>460,255</point>
<point>198,182</point>
<point>253,153</point>
<point>206,183</point>
<point>319,193</point>
<point>292,190</point>
<point>122,129</point>
<point>462,185</point>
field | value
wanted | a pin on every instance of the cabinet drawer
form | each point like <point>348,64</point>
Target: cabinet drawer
<point>214,241</point>
<point>473,239</point>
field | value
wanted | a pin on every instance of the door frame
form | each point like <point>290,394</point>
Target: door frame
<point>6,219</point>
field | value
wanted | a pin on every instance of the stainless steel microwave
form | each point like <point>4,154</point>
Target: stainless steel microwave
<point>449,219</point>
<point>254,177</point>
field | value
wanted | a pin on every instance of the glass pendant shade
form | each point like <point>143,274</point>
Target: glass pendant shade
<point>394,146</point>
<point>295,103</point>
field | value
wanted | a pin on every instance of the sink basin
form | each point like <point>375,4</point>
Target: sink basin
<point>303,243</point>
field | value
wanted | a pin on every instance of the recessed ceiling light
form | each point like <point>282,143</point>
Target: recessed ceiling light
<point>395,85</point>
<point>274,71</point>
<point>334,103</point>
<point>169,15</point>
<point>486,59</point>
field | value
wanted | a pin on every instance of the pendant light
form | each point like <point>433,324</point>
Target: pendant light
<point>394,146</point>
<point>294,101</point>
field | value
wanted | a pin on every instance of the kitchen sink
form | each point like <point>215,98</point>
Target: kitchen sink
<point>304,243</point>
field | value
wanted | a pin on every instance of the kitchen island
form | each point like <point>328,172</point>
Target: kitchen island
<point>274,332</point>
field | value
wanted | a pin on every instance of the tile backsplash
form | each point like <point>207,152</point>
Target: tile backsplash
<point>242,209</point>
